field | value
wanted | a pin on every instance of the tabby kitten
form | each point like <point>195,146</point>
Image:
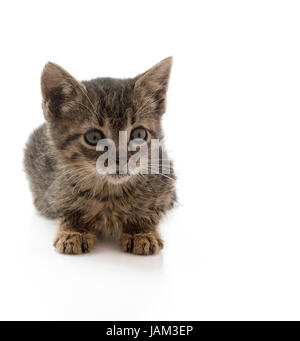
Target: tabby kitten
<point>61,155</point>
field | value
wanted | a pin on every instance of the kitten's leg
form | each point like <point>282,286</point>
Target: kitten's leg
<point>141,240</point>
<point>72,240</point>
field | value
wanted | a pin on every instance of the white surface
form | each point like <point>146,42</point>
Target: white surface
<point>233,122</point>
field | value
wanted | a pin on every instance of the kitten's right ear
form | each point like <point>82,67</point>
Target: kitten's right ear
<point>155,82</point>
<point>59,89</point>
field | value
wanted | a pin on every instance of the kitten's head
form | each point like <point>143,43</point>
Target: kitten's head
<point>79,114</point>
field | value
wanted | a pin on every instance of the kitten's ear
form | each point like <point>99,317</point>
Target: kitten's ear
<point>155,82</point>
<point>59,89</point>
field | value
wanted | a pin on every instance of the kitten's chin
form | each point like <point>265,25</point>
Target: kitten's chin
<point>117,179</point>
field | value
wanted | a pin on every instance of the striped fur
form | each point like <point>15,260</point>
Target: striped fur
<point>61,166</point>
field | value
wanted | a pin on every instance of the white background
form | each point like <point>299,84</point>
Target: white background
<point>232,125</point>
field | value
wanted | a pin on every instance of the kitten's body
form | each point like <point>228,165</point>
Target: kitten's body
<point>62,168</point>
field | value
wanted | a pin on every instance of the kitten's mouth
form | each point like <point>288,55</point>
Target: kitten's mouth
<point>117,178</point>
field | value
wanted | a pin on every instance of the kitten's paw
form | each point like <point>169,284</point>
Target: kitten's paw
<point>141,243</point>
<point>74,242</point>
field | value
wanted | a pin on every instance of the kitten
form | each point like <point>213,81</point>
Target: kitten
<point>61,157</point>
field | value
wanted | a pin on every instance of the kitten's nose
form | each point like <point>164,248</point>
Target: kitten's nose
<point>120,160</point>
<point>120,163</point>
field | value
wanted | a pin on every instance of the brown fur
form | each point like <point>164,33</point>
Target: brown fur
<point>62,167</point>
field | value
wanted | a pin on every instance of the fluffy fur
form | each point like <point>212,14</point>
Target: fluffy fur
<point>61,166</point>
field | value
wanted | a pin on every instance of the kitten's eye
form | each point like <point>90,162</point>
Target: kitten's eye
<point>139,133</point>
<point>93,136</point>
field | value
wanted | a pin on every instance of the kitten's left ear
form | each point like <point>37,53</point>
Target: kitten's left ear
<point>59,91</point>
<point>155,83</point>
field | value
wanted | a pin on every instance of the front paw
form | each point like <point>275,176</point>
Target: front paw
<point>74,242</point>
<point>141,243</point>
